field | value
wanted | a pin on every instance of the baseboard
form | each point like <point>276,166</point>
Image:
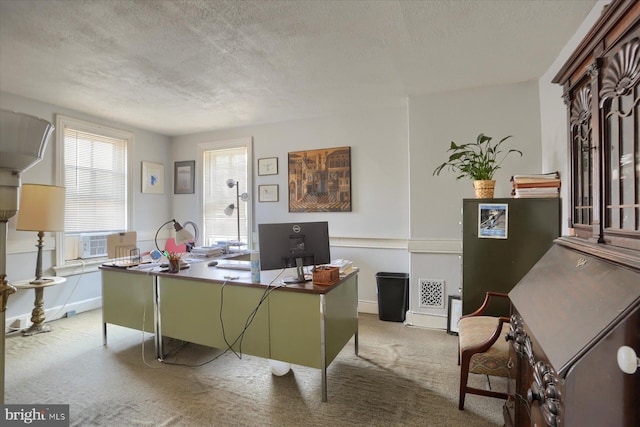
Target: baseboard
<point>425,321</point>
<point>23,321</point>
<point>367,307</point>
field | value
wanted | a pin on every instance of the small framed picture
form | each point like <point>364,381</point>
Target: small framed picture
<point>268,193</point>
<point>454,313</point>
<point>268,166</point>
<point>184,177</point>
<point>493,220</point>
<point>152,178</point>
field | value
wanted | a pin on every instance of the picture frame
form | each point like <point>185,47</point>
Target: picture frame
<point>184,174</point>
<point>268,166</point>
<point>454,313</point>
<point>320,180</point>
<point>152,178</point>
<point>268,193</point>
<point>493,220</point>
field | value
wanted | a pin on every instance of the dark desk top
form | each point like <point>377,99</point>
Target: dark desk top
<point>200,271</point>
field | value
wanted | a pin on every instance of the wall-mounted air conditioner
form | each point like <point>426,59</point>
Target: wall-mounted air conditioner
<point>92,245</point>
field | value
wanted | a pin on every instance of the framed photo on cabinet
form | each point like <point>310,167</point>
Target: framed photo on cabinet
<point>268,166</point>
<point>268,193</point>
<point>493,220</point>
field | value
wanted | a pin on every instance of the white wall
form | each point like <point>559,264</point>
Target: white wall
<point>81,291</point>
<point>375,233</point>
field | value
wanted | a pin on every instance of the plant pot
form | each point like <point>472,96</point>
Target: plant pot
<point>484,189</point>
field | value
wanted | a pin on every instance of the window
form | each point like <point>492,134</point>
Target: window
<point>94,171</point>
<point>223,161</point>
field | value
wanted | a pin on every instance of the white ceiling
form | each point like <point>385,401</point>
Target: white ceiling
<point>185,66</point>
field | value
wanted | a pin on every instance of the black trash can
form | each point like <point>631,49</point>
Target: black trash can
<point>393,296</point>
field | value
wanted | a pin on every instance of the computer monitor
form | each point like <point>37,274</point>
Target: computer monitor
<point>294,244</point>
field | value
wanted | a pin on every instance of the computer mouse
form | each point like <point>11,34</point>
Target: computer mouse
<point>212,263</point>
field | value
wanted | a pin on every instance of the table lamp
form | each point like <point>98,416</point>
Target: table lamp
<point>41,209</point>
<point>182,235</point>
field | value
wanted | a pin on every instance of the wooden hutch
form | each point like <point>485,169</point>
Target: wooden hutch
<point>580,303</point>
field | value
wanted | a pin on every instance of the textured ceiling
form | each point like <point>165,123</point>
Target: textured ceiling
<point>185,66</point>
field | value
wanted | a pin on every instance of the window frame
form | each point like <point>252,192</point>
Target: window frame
<point>63,121</point>
<point>246,142</point>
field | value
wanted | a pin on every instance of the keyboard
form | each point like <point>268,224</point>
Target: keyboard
<point>234,265</point>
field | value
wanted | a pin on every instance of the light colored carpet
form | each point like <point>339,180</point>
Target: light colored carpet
<point>403,376</point>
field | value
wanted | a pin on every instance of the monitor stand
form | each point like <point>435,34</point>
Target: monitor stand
<point>299,277</point>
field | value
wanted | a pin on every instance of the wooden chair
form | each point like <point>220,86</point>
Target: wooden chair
<point>482,348</point>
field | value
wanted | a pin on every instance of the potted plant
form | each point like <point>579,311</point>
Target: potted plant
<point>479,161</point>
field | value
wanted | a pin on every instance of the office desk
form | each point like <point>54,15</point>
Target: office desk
<point>302,324</point>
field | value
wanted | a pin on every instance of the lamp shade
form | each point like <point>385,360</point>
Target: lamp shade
<point>183,236</point>
<point>23,139</point>
<point>41,208</point>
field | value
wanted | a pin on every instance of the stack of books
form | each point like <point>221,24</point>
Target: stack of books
<point>206,251</point>
<point>536,185</point>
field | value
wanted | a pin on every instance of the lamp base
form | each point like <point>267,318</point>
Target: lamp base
<point>36,329</point>
<point>40,281</point>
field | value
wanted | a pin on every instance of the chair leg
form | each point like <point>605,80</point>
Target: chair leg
<point>464,376</point>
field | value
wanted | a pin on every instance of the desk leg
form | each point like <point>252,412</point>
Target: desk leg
<point>37,316</point>
<point>323,348</point>
<point>356,341</point>
<point>104,333</point>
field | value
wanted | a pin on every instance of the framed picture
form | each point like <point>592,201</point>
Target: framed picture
<point>152,178</point>
<point>268,193</point>
<point>268,166</point>
<point>320,180</point>
<point>454,313</point>
<point>184,177</point>
<point>493,220</point>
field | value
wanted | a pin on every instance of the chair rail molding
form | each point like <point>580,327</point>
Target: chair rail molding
<point>435,246</point>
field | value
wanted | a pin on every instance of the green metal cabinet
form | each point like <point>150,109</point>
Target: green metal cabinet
<point>493,264</point>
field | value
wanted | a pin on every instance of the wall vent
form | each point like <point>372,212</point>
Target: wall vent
<point>92,245</point>
<point>431,293</point>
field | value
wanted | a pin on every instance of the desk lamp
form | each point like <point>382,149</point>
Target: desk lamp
<point>23,140</point>
<point>182,235</point>
<point>41,209</point>
<point>229,209</point>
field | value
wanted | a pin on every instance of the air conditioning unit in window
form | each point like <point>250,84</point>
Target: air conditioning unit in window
<point>92,245</point>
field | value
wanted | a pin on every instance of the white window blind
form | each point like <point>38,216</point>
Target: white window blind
<point>95,177</point>
<point>219,166</point>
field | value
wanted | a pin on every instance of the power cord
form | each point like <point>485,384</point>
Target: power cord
<point>240,336</point>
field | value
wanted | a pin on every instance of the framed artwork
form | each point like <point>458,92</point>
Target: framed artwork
<point>152,178</point>
<point>493,220</point>
<point>184,174</point>
<point>268,166</point>
<point>320,180</point>
<point>454,313</point>
<point>268,193</point>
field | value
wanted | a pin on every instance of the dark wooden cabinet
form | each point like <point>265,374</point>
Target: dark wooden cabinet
<point>581,302</point>
<point>570,314</point>
<point>601,90</point>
